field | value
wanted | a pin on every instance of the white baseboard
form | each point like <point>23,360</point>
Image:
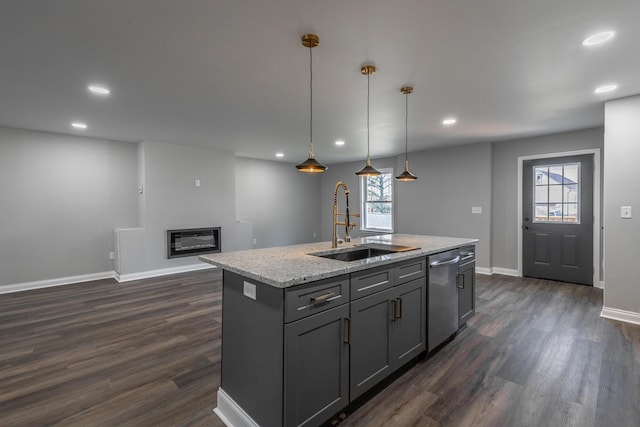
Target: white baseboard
<point>504,271</point>
<point>483,270</point>
<point>621,315</point>
<point>26,286</point>
<point>162,272</point>
<point>231,414</point>
<point>496,270</point>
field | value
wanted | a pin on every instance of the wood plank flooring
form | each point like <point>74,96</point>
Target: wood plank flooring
<point>147,353</point>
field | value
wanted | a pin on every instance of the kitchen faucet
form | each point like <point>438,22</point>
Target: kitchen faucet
<point>347,224</point>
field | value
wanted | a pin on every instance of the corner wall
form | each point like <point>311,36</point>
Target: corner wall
<point>280,203</point>
<point>171,200</point>
<point>622,188</point>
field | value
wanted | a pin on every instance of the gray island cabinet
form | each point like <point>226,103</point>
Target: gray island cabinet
<point>303,336</point>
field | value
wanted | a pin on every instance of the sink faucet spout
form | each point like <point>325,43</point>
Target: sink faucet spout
<point>348,225</point>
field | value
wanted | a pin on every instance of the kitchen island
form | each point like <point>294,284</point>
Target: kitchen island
<point>304,334</point>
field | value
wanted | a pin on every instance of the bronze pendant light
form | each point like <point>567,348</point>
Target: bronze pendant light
<point>406,175</point>
<point>311,165</point>
<point>368,170</point>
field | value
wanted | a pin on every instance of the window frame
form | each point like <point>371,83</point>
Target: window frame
<point>364,202</point>
<point>562,203</point>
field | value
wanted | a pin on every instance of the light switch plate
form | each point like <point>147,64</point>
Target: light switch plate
<point>625,212</point>
<point>476,209</point>
<point>249,290</point>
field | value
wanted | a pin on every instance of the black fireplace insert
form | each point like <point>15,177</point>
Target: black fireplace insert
<point>193,241</point>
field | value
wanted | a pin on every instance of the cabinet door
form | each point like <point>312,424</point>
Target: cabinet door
<point>466,293</point>
<point>316,376</point>
<point>370,352</point>
<point>409,326</point>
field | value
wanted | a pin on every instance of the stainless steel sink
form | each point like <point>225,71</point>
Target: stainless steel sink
<point>363,251</point>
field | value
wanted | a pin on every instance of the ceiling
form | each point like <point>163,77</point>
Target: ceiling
<point>232,74</point>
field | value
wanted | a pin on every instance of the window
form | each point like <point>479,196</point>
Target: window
<point>376,193</point>
<point>556,191</point>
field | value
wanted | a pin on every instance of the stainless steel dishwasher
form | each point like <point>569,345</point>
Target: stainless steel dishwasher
<point>443,297</point>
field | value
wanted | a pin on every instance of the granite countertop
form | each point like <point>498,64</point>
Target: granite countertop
<point>287,266</point>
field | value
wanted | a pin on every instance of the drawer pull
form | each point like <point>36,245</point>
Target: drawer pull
<point>373,286</point>
<point>308,306</point>
<point>410,274</point>
<point>323,298</point>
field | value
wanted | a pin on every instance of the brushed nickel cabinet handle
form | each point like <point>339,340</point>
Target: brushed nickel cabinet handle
<point>323,298</point>
<point>460,276</point>
<point>399,308</point>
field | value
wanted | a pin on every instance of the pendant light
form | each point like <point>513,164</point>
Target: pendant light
<point>368,170</point>
<point>311,165</point>
<point>406,175</point>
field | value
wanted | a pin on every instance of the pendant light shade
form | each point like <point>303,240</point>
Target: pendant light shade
<point>368,170</point>
<point>311,165</point>
<point>406,175</point>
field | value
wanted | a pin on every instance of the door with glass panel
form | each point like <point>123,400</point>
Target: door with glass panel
<point>558,219</point>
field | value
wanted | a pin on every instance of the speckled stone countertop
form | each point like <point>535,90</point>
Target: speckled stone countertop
<point>287,266</point>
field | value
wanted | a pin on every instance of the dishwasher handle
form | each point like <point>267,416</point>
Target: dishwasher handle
<point>445,262</point>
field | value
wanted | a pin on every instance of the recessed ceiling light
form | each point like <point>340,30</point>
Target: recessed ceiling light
<point>449,121</point>
<point>599,38</point>
<point>605,88</point>
<point>79,125</point>
<point>279,154</point>
<point>339,143</point>
<point>99,89</point>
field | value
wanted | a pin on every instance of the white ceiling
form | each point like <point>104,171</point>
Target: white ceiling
<point>233,74</point>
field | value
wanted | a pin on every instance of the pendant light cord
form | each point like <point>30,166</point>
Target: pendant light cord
<point>406,127</point>
<point>311,97</point>
<point>368,76</point>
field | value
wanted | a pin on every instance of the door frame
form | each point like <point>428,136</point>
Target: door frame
<point>596,206</point>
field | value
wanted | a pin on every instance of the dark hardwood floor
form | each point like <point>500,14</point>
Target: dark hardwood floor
<point>147,353</point>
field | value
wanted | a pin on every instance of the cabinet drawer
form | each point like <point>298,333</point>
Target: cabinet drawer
<point>368,282</point>
<point>409,270</point>
<point>467,254</point>
<point>305,300</point>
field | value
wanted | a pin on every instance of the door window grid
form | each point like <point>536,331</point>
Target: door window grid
<point>556,191</point>
<point>376,193</point>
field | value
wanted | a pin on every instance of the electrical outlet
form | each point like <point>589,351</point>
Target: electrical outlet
<point>625,212</point>
<point>249,290</point>
<point>476,209</point>
<point>255,241</point>
<point>197,183</point>
<point>112,255</point>
<point>315,234</point>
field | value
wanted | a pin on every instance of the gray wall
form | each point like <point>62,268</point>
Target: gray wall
<point>622,188</point>
<point>505,184</point>
<point>60,199</point>
<point>281,203</point>
<point>450,182</point>
<point>172,200</point>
